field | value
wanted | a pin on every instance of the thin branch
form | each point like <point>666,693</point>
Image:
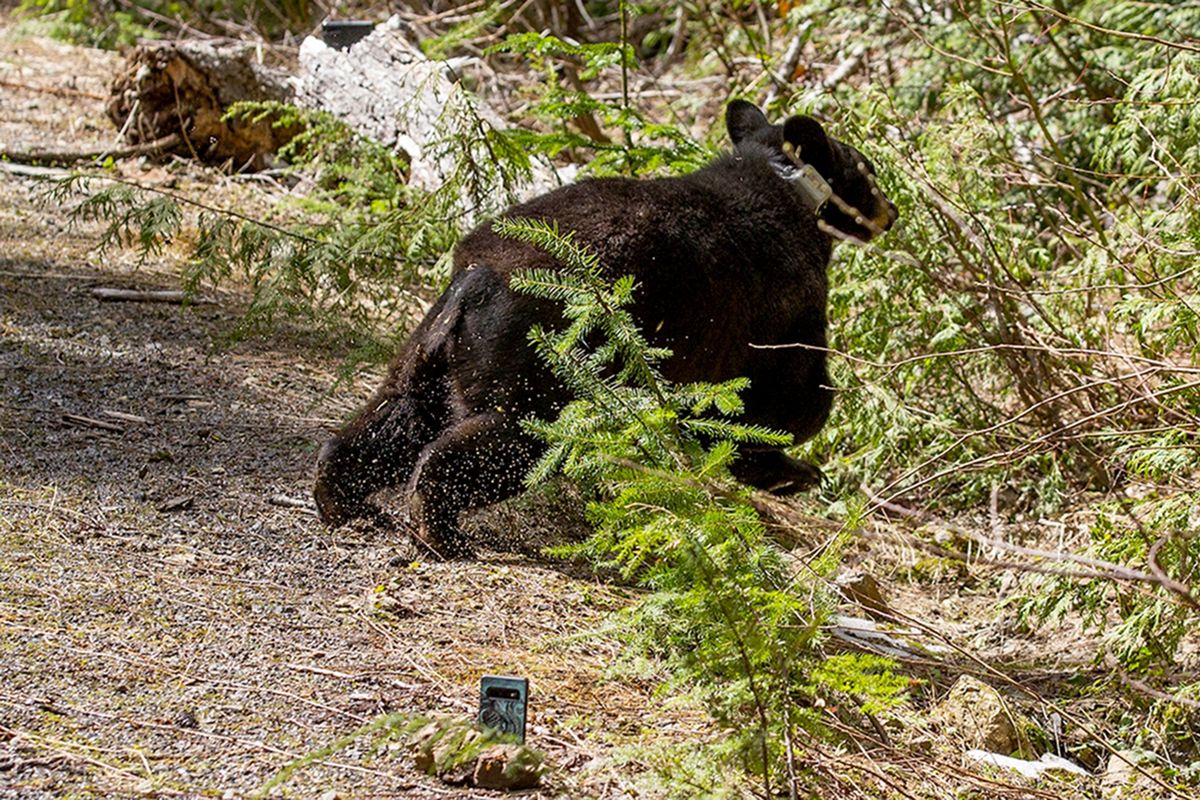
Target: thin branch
<point>47,156</point>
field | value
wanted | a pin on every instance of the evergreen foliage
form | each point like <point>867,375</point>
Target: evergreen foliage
<point>357,255</point>
<point>1032,323</point>
<point>738,621</point>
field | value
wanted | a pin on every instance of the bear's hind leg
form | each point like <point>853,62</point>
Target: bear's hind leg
<point>478,461</point>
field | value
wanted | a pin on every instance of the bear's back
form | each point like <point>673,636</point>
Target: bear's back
<point>723,257</point>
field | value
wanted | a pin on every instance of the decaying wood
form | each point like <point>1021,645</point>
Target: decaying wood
<point>386,89</point>
<point>283,501</point>
<point>185,88</point>
<point>149,296</point>
<point>121,415</point>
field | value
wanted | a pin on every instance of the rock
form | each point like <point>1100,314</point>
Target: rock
<point>507,766</point>
<point>422,746</point>
<point>452,755</point>
<point>863,589</point>
<point>981,718</point>
<point>423,761</point>
<point>460,754</point>
<point>1030,769</point>
<point>1123,780</point>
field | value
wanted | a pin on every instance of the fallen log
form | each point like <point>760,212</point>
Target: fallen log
<point>149,296</point>
<point>383,87</point>
<point>65,157</point>
<point>89,422</point>
<point>386,89</point>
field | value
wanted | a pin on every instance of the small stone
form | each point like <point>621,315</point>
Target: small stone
<point>180,503</point>
<point>507,766</point>
<point>448,754</point>
<point>1131,775</point>
<point>422,736</point>
<point>981,717</point>
<point>863,589</point>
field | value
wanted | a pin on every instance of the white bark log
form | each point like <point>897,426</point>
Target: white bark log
<point>385,88</point>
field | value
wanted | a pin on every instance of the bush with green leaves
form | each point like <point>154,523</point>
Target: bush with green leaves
<point>737,619</point>
<point>582,124</point>
<point>1031,324</point>
<point>1033,314</point>
<point>1145,634</point>
<point>1027,332</point>
<point>358,254</point>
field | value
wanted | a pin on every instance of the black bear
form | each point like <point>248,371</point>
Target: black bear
<point>731,255</point>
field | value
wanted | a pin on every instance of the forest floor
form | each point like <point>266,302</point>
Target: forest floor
<point>164,628</point>
<point>170,624</point>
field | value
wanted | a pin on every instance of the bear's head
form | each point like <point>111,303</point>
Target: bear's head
<point>852,202</point>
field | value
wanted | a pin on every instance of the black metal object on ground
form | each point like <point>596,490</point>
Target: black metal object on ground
<point>502,704</point>
<point>340,34</point>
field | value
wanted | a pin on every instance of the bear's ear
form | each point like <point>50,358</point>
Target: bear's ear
<point>811,144</point>
<point>742,119</point>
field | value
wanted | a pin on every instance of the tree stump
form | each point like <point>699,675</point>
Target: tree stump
<point>184,88</point>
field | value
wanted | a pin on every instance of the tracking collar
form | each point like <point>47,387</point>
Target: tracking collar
<point>815,190</point>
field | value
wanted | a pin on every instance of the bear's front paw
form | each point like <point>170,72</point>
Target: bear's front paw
<point>796,477</point>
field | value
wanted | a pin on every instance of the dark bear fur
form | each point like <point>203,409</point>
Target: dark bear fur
<point>730,255</point>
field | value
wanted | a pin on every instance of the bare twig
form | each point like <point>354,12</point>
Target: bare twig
<point>88,422</point>
<point>76,156</point>
<point>175,296</point>
<point>1103,569</point>
<point>121,415</point>
<point>57,91</point>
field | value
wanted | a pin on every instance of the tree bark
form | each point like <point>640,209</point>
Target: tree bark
<point>185,88</point>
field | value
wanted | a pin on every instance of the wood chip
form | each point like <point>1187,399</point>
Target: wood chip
<point>333,673</point>
<point>121,415</point>
<point>185,398</point>
<point>291,502</point>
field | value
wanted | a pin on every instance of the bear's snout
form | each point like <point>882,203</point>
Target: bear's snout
<point>329,491</point>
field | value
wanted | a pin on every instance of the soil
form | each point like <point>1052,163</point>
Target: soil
<point>173,618</point>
